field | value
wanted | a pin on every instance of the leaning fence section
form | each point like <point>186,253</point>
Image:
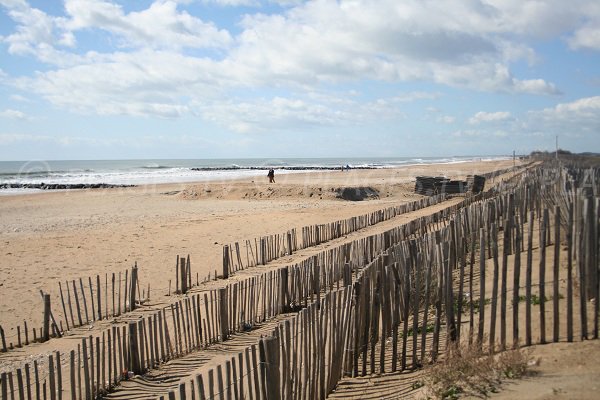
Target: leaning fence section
<point>260,251</point>
<point>82,302</point>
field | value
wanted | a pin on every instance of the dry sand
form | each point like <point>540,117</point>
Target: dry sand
<point>566,371</point>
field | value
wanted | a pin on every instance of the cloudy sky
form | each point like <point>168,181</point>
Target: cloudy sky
<point>104,79</point>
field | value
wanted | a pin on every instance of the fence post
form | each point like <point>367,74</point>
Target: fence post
<point>183,275</point>
<point>3,349</point>
<point>289,243</point>
<point>480,326</point>
<point>569,233</point>
<point>556,265</point>
<point>4,384</point>
<point>270,359</point>
<point>347,275</point>
<point>223,314</point>
<point>284,291</point>
<point>46,333</point>
<point>226,262</point>
<point>134,273</point>
<point>263,250</point>
<point>134,358</point>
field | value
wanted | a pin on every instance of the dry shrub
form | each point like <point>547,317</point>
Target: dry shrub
<point>513,363</point>
<point>472,371</point>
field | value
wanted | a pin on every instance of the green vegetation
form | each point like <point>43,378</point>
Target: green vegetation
<point>466,304</point>
<point>428,329</point>
<point>536,300</point>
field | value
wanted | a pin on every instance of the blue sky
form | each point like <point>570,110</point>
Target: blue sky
<point>107,79</point>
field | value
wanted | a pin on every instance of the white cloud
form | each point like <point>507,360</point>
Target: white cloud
<point>388,41</point>
<point>64,140</point>
<point>313,44</point>
<point>252,3</point>
<point>534,86</point>
<point>37,34</point>
<point>296,114</point>
<point>286,3</point>
<point>144,83</point>
<point>582,112</point>
<point>18,97</point>
<point>446,119</point>
<point>234,3</point>
<point>10,138</point>
<point>491,77</point>
<point>579,118</point>
<point>13,114</point>
<point>413,96</point>
<point>483,116</point>
<point>274,114</point>
<point>159,26</point>
<point>466,133</point>
<point>542,19</point>
<point>481,133</point>
<point>587,36</point>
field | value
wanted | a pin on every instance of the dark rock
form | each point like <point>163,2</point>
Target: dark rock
<point>60,186</point>
<point>357,193</point>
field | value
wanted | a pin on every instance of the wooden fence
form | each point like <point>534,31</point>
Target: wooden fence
<point>271,247</point>
<point>386,302</point>
<point>262,250</point>
<point>427,292</point>
<point>253,300</point>
<point>85,301</point>
<point>79,308</point>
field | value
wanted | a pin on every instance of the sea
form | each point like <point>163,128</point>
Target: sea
<point>156,171</point>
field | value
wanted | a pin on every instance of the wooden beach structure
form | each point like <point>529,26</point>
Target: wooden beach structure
<point>382,303</point>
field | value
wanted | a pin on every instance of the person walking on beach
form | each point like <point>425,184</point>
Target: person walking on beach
<point>271,175</point>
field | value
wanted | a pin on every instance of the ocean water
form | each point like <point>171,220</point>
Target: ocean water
<point>141,172</point>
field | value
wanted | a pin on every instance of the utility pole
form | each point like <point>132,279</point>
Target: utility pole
<point>557,147</point>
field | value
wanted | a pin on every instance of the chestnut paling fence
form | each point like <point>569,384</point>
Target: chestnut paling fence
<point>252,300</point>
<point>425,292</point>
<point>193,322</point>
<point>83,301</point>
<point>383,303</point>
<point>86,304</point>
<point>260,251</point>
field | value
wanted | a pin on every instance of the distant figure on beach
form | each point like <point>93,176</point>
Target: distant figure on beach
<point>271,175</point>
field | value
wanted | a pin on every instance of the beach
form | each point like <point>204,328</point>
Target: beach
<point>51,237</point>
<point>77,236</point>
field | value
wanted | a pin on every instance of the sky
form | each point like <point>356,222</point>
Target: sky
<point>115,79</point>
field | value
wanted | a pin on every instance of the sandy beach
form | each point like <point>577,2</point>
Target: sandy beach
<point>58,236</point>
<point>53,237</point>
